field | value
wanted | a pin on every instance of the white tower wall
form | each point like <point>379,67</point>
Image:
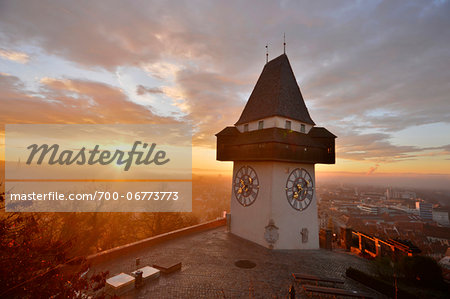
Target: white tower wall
<point>271,204</point>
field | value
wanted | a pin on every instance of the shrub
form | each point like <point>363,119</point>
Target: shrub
<point>422,270</point>
<point>377,284</point>
<point>382,266</point>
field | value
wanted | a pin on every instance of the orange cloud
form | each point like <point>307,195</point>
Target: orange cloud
<point>70,101</point>
<point>14,56</point>
<point>211,101</point>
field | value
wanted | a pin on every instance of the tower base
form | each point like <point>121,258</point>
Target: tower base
<point>271,221</point>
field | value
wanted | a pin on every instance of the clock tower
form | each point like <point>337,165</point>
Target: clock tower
<point>275,145</point>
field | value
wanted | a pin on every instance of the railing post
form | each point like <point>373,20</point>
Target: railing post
<point>328,240</point>
<point>292,292</point>
<point>138,279</point>
<point>348,238</point>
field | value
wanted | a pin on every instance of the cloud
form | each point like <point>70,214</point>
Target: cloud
<point>372,147</point>
<point>162,69</point>
<point>14,56</point>
<point>388,58</point>
<point>140,90</point>
<point>70,101</point>
<point>87,34</point>
<point>211,102</point>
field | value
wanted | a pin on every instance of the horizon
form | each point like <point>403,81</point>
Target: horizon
<point>425,181</point>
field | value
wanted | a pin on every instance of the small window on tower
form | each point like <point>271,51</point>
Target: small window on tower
<point>302,128</point>
<point>288,125</point>
<point>260,125</point>
<point>246,128</point>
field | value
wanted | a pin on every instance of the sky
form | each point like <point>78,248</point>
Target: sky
<point>374,73</point>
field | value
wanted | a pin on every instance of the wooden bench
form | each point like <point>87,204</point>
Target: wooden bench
<point>335,292</point>
<point>167,266</point>
<point>316,279</point>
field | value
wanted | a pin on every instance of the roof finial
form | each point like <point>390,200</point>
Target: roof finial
<point>267,53</point>
<point>284,43</point>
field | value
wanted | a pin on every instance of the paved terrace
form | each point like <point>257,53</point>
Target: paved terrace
<point>208,269</point>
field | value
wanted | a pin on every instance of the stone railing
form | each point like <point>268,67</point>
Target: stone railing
<point>112,253</point>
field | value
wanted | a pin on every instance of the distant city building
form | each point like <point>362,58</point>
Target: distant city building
<point>388,193</point>
<point>369,209</point>
<point>404,194</point>
<point>440,216</point>
<point>437,234</point>
<point>425,210</point>
<point>373,195</point>
<point>323,221</point>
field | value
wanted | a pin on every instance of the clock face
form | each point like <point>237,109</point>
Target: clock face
<point>246,185</point>
<point>299,189</point>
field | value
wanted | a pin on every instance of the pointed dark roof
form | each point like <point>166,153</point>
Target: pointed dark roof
<point>276,94</point>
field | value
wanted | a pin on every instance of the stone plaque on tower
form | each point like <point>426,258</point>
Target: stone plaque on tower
<point>274,146</point>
